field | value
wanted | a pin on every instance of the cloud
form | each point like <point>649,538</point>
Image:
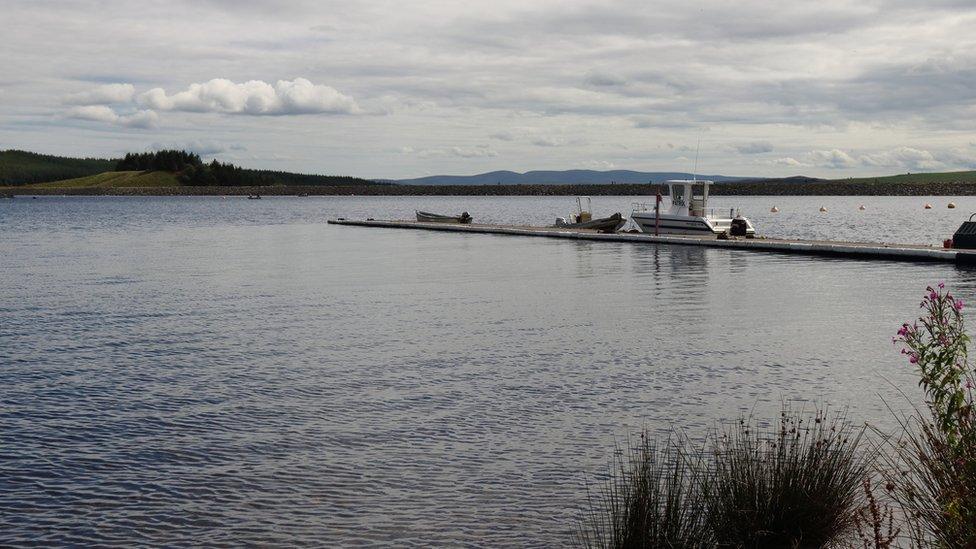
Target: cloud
<point>145,119</point>
<point>103,95</point>
<point>202,147</point>
<point>480,151</point>
<point>253,97</point>
<point>902,157</point>
<point>548,142</point>
<point>787,161</point>
<point>833,158</point>
<point>599,165</point>
<point>604,79</point>
<point>477,152</point>
<point>755,147</point>
<point>502,136</point>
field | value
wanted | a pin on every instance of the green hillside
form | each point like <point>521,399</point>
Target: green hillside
<point>23,168</point>
<point>914,178</point>
<point>112,180</point>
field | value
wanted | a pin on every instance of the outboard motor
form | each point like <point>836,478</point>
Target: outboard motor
<point>739,227</point>
<point>965,236</point>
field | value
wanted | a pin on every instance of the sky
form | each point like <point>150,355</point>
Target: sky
<point>399,89</point>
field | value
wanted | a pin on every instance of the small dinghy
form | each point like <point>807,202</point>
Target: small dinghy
<point>254,197</point>
<point>582,218</point>
<point>427,217</point>
<point>604,224</point>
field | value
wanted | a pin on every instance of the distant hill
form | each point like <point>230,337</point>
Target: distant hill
<point>23,167</point>
<point>914,178</point>
<point>564,177</point>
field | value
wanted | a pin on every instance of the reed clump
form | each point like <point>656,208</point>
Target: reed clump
<point>654,496</point>
<point>795,485</point>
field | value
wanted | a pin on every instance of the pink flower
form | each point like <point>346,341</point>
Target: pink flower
<point>913,358</point>
<point>969,384</point>
<point>941,285</point>
<point>957,305</point>
<point>933,295</point>
<point>903,330</point>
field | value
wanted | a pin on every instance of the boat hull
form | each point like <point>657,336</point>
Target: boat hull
<point>605,225</point>
<point>681,224</point>
<point>427,217</point>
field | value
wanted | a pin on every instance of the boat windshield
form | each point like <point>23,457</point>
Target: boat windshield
<point>677,195</point>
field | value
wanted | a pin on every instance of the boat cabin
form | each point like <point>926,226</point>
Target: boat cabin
<point>688,197</point>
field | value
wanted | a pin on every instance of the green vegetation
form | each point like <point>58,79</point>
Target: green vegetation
<point>112,180</point>
<point>192,171</point>
<point>24,168</point>
<point>150,170</point>
<point>796,485</point>
<point>914,178</point>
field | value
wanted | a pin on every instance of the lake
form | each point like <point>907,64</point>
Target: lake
<point>219,371</point>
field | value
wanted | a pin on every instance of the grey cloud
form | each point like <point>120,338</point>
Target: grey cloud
<point>602,79</point>
<point>103,95</point>
<point>548,142</point>
<point>755,147</point>
<point>823,76</point>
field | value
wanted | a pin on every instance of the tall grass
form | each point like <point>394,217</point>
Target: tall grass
<point>795,485</point>
<point>934,482</point>
<point>654,497</point>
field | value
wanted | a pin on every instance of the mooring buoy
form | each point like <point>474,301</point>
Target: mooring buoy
<point>951,205</point>
<point>928,206</point>
<point>823,210</point>
<point>774,209</point>
<point>861,207</point>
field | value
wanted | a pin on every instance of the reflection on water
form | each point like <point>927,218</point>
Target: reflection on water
<point>220,371</point>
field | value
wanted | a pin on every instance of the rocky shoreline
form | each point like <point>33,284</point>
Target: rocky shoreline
<point>754,188</point>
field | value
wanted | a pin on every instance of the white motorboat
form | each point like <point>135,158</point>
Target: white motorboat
<point>688,213</point>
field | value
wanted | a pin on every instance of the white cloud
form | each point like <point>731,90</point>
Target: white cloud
<point>833,158</point>
<point>788,161</point>
<point>902,157</point>
<point>253,97</point>
<point>145,119</point>
<point>103,95</point>
<point>502,136</point>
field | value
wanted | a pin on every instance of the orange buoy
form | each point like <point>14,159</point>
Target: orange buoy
<point>774,209</point>
<point>951,205</point>
<point>928,206</point>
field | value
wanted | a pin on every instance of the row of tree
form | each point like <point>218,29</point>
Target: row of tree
<point>168,161</point>
<point>191,170</point>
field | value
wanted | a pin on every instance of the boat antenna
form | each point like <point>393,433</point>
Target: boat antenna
<point>694,173</point>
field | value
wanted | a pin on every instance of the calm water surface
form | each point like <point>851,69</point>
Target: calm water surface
<point>208,371</point>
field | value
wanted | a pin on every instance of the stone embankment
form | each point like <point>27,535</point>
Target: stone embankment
<point>755,188</point>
